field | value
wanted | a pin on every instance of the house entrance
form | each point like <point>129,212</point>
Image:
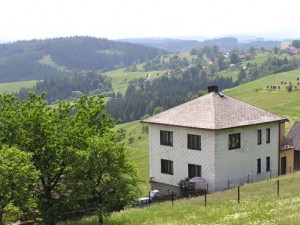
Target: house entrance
<point>283,165</point>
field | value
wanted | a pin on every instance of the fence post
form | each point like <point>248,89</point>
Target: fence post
<point>270,174</point>
<point>238,194</point>
<point>149,201</point>
<point>205,197</point>
<point>228,184</point>
<point>277,188</point>
<point>172,198</point>
<point>206,187</point>
<point>248,179</point>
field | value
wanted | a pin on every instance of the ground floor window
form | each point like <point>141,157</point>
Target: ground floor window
<point>268,164</point>
<point>194,170</point>
<point>258,165</point>
<point>167,166</point>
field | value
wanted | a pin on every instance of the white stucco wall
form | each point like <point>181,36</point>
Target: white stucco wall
<point>237,164</point>
<point>218,164</point>
<point>181,155</point>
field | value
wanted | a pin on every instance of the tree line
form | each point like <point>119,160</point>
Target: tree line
<point>144,96</point>
<point>69,88</point>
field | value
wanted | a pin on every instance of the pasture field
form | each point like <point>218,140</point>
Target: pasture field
<point>15,86</point>
<point>278,101</point>
<point>121,79</point>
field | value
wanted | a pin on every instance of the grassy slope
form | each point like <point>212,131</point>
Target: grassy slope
<point>258,205</point>
<point>15,86</point>
<point>139,150</point>
<point>280,102</point>
<point>120,79</point>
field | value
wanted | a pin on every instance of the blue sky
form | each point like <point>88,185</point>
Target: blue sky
<point>114,19</point>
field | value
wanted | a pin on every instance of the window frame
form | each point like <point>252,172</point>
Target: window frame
<point>268,135</point>
<point>194,142</point>
<point>192,168</point>
<point>258,169</point>
<point>166,167</point>
<point>268,164</point>
<point>259,137</point>
<point>166,138</point>
<point>236,138</point>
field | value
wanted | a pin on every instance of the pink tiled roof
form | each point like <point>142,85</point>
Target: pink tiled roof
<point>212,111</point>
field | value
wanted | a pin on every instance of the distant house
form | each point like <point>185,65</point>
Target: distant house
<point>216,137</point>
<point>241,56</point>
<point>232,67</point>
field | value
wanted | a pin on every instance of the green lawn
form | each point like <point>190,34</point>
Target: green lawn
<point>15,86</point>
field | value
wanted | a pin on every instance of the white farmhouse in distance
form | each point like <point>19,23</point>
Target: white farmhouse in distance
<point>216,137</point>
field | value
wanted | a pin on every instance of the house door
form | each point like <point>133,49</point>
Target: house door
<point>283,165</point>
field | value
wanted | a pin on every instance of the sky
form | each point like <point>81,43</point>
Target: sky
<point>116,19</point>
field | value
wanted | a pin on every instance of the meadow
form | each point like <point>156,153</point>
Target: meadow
<point>15,86</point>
<point>259,204</point>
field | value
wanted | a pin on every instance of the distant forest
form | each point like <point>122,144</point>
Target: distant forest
<point>69,88</point>
<point>185,80</point>
<point>24,60</point>
<point>144,96</point>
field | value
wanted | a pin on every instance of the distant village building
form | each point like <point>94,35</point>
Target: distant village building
<point>232,67</point>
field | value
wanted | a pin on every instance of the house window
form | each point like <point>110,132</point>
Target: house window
<point>258,165</point>
<point>194,142</point>
<point>259,137</point>
<point>268,135</point>
<point>167,166</point>
<point>234,141</point>
<point>194,170</point>
<point>166,138</point>
<point>268,163</point>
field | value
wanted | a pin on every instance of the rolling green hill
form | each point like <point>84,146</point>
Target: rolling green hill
<point>278,101</point>
<point>37,59</point>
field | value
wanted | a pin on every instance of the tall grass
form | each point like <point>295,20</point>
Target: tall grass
<point>259,204</point>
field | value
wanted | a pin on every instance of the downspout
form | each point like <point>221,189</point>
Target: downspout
<point>279,142</point>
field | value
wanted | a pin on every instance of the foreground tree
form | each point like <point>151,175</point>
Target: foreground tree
<point>106,177</point>
<point>53,136</point>
<point>17,177</point>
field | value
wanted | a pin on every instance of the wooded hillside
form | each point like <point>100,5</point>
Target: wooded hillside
<point>37,59</point>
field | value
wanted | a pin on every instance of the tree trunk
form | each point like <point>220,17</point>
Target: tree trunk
<point>100,211</point>
<point>1,218</point>
<point>100,218</point>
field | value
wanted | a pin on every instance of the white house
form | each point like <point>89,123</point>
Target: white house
<point>216,137</point>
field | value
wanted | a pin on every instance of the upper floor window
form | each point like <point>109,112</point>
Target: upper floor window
<point>166,138</point>
<point>167,166</point>
<point>194,142</point>
<point>259,137</point>
<point>268,135</point>
<point>234,141</point>
<point>194,170</point>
